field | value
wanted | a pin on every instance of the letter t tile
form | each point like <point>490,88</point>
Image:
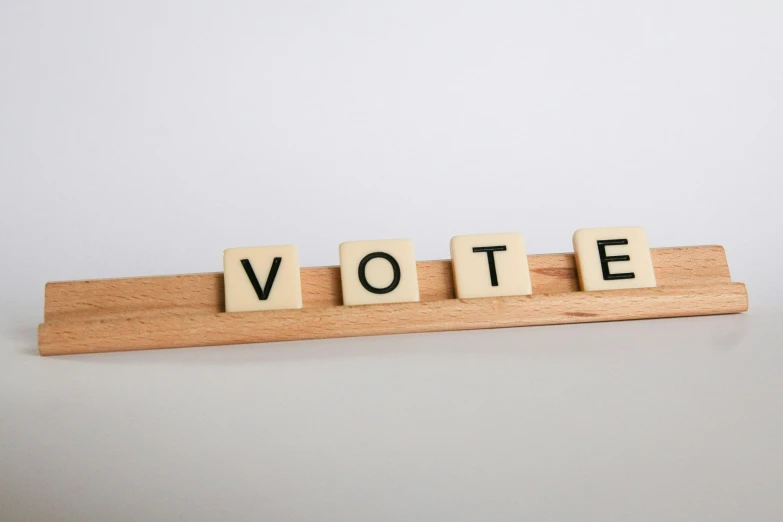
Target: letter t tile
<point>490,265</point>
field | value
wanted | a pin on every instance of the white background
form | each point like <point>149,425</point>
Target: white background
<point>141,138</point>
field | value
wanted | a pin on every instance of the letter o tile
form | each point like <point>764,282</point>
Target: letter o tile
<point>378,271</point>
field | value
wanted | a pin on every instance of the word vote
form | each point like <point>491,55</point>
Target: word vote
<point>384,271</point>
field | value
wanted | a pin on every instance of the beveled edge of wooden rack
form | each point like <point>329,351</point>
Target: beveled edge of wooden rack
<point>187,310</point>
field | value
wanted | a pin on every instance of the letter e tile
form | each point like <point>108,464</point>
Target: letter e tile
<point>613,258</point>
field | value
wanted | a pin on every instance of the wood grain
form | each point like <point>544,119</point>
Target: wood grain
<point>187,310</point>
<point>144,333</point>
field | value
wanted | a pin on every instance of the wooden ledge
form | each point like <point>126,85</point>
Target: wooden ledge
<point>187,310</point>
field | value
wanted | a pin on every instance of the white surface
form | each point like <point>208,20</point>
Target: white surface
<point>146,137</point>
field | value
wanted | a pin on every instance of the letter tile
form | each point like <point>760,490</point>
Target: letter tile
<point>262,278</point>
<point>613,258</point>
<point>379,271</point>
<point>490,265</point>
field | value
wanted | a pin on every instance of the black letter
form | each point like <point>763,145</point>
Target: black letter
<point>605,260</point>
<point>262,293</point>
<point>363,277</point>
<point>493,275</point>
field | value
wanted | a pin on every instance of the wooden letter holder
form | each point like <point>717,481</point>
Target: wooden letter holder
<point>188,310</point>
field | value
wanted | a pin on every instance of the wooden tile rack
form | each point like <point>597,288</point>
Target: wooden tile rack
<point>187,310</point>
